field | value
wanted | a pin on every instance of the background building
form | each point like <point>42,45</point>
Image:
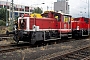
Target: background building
<point>18,9</point>
<point>61,5</point>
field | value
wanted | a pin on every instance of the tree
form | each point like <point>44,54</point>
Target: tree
<point>37,10</point>
<point>2,23</point>
<point>3,14</point>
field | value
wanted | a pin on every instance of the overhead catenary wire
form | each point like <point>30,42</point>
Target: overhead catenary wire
<point>80,7</point>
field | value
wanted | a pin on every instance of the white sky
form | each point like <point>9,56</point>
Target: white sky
<point>77,7</point>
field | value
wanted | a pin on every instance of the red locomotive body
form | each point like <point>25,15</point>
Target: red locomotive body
<point>43,29</point>
<point>43,23</point>
<point>80,26</point>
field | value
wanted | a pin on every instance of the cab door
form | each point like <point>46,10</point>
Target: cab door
<point>66,25</point>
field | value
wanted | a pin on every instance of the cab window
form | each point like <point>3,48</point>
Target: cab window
<point>22,24</point>
<point>66,19</point>
<point>57,16</point>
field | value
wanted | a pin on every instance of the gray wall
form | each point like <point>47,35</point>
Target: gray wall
<point>61,6</point>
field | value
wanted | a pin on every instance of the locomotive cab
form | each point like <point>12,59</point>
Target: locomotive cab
<point>65,27</point>
<point>23,22</point>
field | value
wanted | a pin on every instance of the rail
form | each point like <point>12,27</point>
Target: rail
<point>4,36</point>
<point>80,53</point>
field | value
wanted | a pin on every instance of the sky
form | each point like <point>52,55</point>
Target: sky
<point>77,7</point>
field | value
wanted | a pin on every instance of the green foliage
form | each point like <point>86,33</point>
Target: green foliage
<point>2,23</point>
<point>37,10</point>
<point>10,28</point>
<point>3,14</point>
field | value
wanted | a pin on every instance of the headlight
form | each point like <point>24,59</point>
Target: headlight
<point>77,27</point>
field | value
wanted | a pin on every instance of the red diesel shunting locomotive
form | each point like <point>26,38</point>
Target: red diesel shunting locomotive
<point>80,26</point>
<point>32,29</point>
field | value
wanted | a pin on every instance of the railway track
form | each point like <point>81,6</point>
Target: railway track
<point>83,47</point>
<point>81,54</point>
<point>4,36</point>
<point>14,47</point>
<point>11,48</point>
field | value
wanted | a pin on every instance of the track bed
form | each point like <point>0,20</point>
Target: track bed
<point>45,52</point>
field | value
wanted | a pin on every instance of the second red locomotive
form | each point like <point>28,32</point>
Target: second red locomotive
<point>80,26</point>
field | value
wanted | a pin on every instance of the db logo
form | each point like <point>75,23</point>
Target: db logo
<point>64,26</point>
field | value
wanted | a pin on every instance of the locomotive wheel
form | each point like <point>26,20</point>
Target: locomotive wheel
<point>18,35</point>
<point>16,38</point>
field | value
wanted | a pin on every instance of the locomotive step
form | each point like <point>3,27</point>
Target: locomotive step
<point>69,34</point>
<point>52,39</point>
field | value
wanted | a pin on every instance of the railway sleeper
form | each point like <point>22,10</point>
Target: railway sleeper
<point>86,58</point>
<point>86,52</point>
<point>64,58</point>
<point>80,55</point>
<point>77,55</point>
<point>83,53</point>
<point>73,57</point>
